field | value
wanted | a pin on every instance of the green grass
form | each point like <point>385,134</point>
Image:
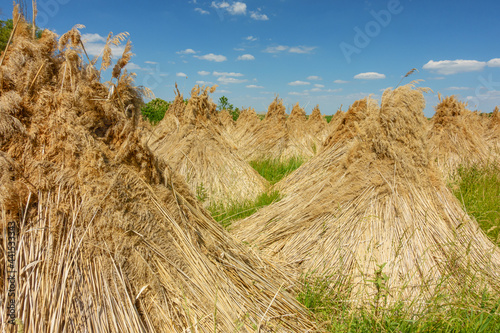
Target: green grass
<point>274,170</point>
<point>226,214</point>
<point>478,189</point>
<point>464,313</point>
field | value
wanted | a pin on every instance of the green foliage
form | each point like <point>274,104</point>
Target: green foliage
<point>225,105</point>
<point>5,30</point>
<point>155,110</point>
<point>274,170</point>
<point>478,188</point>
<point>226,214</point>
<point>328,118</point>
<point>201,193</point>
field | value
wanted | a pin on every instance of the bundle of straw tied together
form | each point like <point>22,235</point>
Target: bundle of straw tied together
<point>112,232</point>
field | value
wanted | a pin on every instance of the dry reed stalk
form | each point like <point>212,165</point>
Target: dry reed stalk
<point>109,238</point>
<point>317,124</point>
<point>374,197</point>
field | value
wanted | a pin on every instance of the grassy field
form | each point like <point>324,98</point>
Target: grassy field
<point>478,189</point>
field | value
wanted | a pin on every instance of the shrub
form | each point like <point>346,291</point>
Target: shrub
<point>155,110</point>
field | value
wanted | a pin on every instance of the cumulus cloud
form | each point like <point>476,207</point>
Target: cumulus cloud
<point>226,74</point>
<point>212,57</point>
<point>203,73</point>
<point>458,88</point>
<point>258,16</point>
<point>202,11</point>
<point>302,49</point>
<point>251,38</point>
<point>298,83</point>
<point>94,45</point>
<point>133,66</point>
<point>151,62</point>
<point>204,83</point>
<point>229,80</point>
<point>187,51</point>
<point>314,78</point>
<point>295,93</point>
<point>448,67</point>
<point>180,74</point>
<point>340,81</point>
<point>370,76</point>
<point>276,49</point>
<point>318,85</point>
<point>253,86</point>
<point>494,62</point>
<point>236,8</point>
<point>246,57</point>
<point>294,49</point>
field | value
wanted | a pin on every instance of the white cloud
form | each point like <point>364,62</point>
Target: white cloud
<point>229,80</point>
<point>458,88</point>
<point>205,83</point>
<point>151,62</point>
<point>227,74</point>
<point>94,45</point>
<point>220,5</point>
<point>202,11</point>
<point>318,85</point>
<point>334,90</point>
<point>259,17</point>
<point>295,93</point>
<point>276,49</point>
<point>298,83</point>
<point>369,76</point>
<point>93,38</point>
<point>239,49</point>
<point>212,57</point>
<point>302,49</point>
<point>340,81</point>
<point>203,73</point>
<point>255,87</point>
<point>246,57</point>
<point>314,77</point>
<point>133,66</point>
<point>187,51</point>
<point>251,38</point>
<point>180,74</point>
<point>494,62</point>
<point>223,91</point>
<point>317,89</point>
<point>448,67</point>
<point>237,8</point>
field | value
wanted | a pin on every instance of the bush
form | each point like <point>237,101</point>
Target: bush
<point>155,110</point>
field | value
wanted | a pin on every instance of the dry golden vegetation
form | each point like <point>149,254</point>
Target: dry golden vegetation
<point>351,225</point>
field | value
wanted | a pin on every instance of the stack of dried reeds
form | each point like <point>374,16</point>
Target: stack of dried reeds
<point>108,238</point>
<point>456,136</point>
<point>301,141</point>
<point>197,147</point>
<point>379,221</point>
<point>272,138</point>
<point>317,124</point>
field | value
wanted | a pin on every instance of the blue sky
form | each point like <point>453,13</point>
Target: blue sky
<point>329,53</point>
